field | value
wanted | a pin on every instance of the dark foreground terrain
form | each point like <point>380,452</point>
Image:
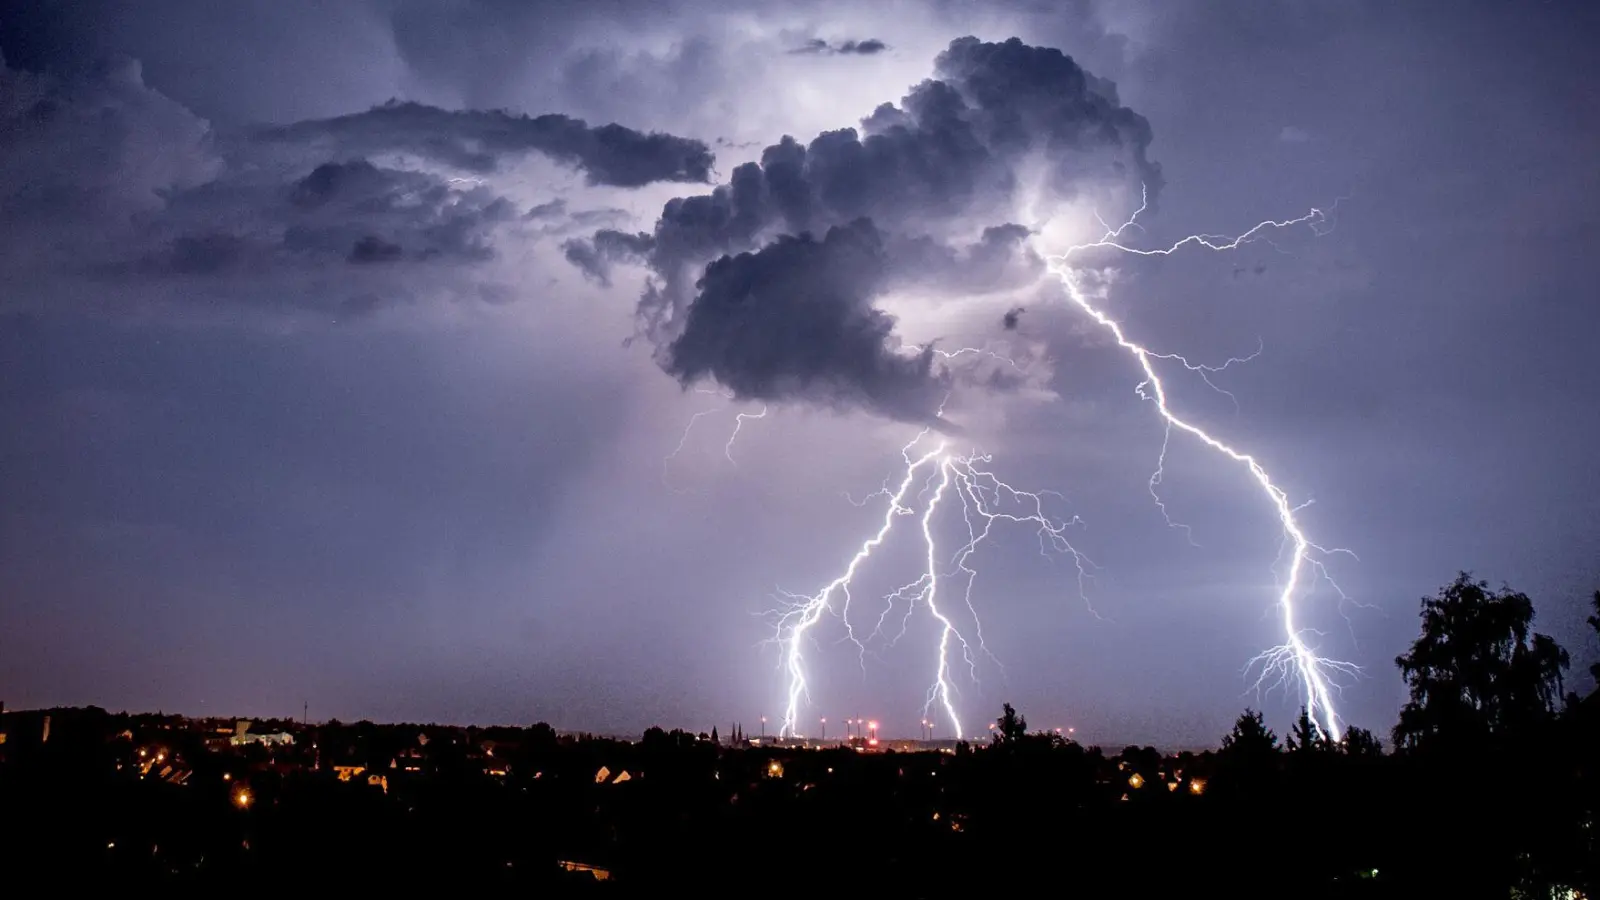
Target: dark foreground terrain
<point>1492,790</point>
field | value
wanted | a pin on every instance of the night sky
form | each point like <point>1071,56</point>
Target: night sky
<point>345,348</point>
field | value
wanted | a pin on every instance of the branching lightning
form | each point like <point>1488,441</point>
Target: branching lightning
<point>1295,659</point>
<point>727,448</point>
<point>985,500</point>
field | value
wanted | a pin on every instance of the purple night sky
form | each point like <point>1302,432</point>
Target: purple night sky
<point>345,348</point>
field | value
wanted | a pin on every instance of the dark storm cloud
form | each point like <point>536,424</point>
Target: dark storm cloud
<point>820,47</point>
<point>948,160</point>
<point>547,210</point>
<point>795,320</point>
<point>351,212</point>
<point>595,256</point>
<point>482,140</point>
<point>96,149</point>
<point>1012,318</point>
<point>1000,260</point>
<point>103,176</point>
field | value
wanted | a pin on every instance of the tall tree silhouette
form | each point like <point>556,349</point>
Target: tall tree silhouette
<point>1011,728</point>
<point>1250,738</point>
<point>1306,737</point>
<point>1478,671</point>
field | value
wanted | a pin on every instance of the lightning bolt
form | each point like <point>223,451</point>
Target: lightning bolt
<point>1294,659</point>
<point>727,449</point>
<point>984,500</point>
<point>738,423</point>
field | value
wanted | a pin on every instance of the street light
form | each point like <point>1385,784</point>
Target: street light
<point>763,729</point>
<point>824,727</point>
<point>873,727</point>
<point>242,798</point>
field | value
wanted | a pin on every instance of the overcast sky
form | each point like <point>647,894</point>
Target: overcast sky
<point>347,350</point>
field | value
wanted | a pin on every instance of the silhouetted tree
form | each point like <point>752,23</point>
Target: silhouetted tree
<point>1250,737</point>
<point>1476,671</point>
<point>1248,761</point>
<point>1011,728</point>
<point>1361,742</point>
<point>1594,622</point>
<point>1306,738</point>
<point>655,738</point>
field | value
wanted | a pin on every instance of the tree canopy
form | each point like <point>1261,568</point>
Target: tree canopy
<point>1594,622</point>
<point>1250,736</point>
<point>1478,671</point>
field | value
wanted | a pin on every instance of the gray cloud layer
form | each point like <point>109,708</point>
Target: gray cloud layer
<point>103,177</point>
<point>479,141</point>
<point>821,47</point>
<point>950,159</point>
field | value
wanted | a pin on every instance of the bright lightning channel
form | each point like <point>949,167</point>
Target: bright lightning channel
<point>985,500</point>
<point>1295,659</point>
<point>738,424</point>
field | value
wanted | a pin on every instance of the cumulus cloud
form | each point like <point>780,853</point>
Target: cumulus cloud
<point>936,181</point>
<point>795,320</point>
<point>482,140</point>
<point>97,148</point>
<point>595,256</point>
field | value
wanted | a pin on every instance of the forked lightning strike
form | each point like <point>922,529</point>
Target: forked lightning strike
<point>982,494</point>
<point>1294,658</point>
<point>985,500</point>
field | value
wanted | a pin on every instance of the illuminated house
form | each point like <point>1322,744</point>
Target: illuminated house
<point>242,735</point>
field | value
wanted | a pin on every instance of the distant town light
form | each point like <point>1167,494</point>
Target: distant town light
<point>1197,785</point>
<point>242,799</point>
<point>1136,781</point>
